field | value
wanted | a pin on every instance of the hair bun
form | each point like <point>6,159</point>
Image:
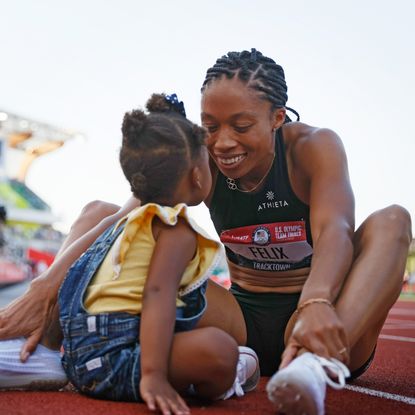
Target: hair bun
<point>139,183</point>
<point>158,103</point>
<point>133,124</point>
<point>164,103</point>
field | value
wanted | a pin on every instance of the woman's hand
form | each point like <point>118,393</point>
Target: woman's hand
<point>318,330</point>
<point>29,316</point>
<point>157,393</point>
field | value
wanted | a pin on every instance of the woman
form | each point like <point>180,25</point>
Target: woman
<point>283,206</point>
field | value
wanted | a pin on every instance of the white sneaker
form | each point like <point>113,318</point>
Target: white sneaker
<point>300,388</point>
<point>42,371</point>
<point>247,373</point>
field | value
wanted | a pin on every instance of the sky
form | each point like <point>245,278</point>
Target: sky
<point>82,64</point>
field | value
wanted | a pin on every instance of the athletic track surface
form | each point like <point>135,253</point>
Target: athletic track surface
<point>388,387</point>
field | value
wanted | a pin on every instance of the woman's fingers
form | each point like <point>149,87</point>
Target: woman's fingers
<point>28,315</point>
<point>30,346</point>
<point>320,331</point>
<point>331,342</point>
<point>289,354</point>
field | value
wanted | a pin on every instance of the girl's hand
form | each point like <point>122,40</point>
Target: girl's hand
<point>157,393</point>
<point>318,330</point>
<point>28,316</point>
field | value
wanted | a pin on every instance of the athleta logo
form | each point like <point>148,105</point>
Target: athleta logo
<point>272,204</point>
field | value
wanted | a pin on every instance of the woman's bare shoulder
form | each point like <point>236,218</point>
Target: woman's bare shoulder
<point>307,148</point>
<point>298,133</point>
<point>305,141</point>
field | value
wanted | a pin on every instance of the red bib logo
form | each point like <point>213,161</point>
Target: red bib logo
<point>261,236</point>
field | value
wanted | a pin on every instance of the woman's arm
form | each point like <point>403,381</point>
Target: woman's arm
<point>331,215</point>
<point>175,247</point>
<point>30,314</point>
<point>331,201</point>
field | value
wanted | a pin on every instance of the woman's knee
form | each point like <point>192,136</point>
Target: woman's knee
<point>93,213</point>
<point>391,222</point>
<point>99,208</point>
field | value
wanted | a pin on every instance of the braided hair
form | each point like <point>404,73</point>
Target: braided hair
<point>158,148</point>
<point>257,71</point>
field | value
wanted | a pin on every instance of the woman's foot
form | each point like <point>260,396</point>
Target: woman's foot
<point>300,388</point>
<point>42,370</point>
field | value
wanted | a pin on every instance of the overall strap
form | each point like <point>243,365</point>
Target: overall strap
<point>77,279</point>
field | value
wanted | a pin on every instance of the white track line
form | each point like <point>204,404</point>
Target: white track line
<point>380,394</point>
<point>410,326</point>
<point>398,338</point>
<point>402,311</point>
<point>399,322</point>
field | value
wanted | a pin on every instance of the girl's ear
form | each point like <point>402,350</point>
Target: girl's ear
<point>196,174</point>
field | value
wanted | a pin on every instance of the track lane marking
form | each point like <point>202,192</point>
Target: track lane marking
<point>379,394</point>
<point>402,311</point>
<point>398,338</point>
<point>400,320</point>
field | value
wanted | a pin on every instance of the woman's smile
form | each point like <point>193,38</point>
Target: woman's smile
<point>230,162</point>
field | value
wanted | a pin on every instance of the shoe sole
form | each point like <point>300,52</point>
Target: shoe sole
<point>291,397</point>
<point>42,371</point>
<point>35,385</point>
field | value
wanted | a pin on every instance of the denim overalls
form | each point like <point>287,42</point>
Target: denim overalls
<point>102,351</point>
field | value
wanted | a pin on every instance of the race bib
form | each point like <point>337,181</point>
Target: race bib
<point>275,246</point>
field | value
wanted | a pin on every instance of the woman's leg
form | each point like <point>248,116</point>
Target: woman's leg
<point>34,314</point>
<point>369,291</point>
<point>91,215</point>
<point>223,312</point>
<point>95,217</point>
<point>374,281</point>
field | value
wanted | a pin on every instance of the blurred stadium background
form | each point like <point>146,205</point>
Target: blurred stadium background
<point>28,239</point>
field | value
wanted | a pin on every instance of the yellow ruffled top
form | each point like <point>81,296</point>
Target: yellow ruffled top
<point>119,282</point>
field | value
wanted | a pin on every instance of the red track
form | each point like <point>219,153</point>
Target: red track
<point>387,388</point>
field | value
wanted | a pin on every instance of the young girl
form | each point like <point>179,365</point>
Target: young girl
<point>129,306</point>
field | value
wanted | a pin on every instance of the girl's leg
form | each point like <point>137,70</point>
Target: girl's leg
<point>205,358</point>
<point>223,312</point>
<point>205,362</point>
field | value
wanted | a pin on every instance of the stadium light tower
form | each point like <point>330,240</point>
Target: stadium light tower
<point>24,140</point>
